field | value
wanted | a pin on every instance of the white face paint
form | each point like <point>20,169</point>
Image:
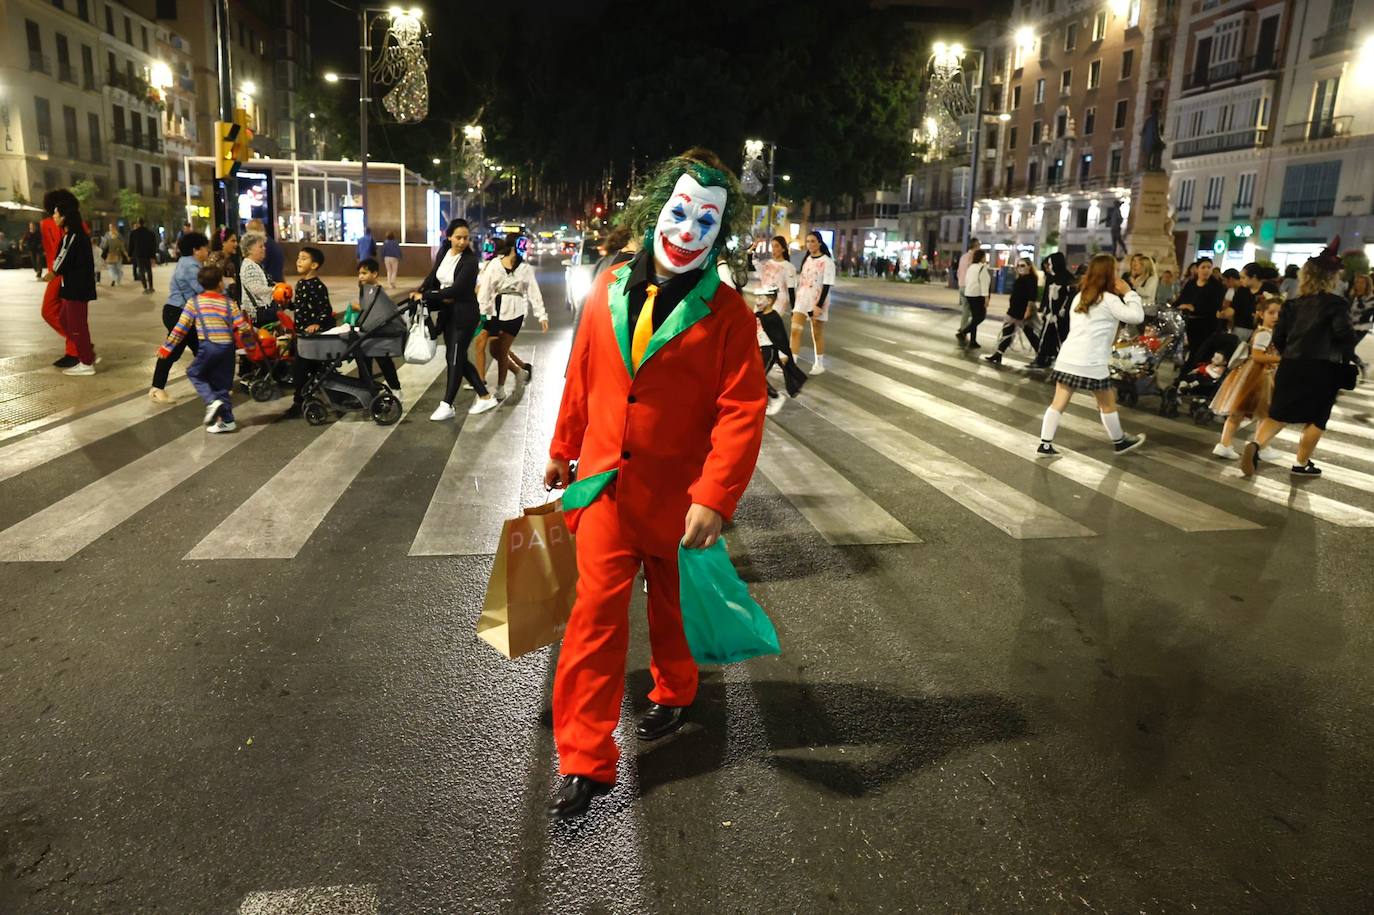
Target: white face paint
<point>688,225</point>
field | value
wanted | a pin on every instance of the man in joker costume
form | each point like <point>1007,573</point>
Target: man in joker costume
<point>663,411</point>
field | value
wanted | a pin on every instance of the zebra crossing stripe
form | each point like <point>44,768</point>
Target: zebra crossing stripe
<point>1149,498</point>
<point>1318,506</point>
<point>278,519</point>
<point>49,444</point>
<point>1004,507</point>
<point>64,528</point>
<point>1149,420</point>
<point>313,900</point>
<point>480,485</point>
<point>835,507</point>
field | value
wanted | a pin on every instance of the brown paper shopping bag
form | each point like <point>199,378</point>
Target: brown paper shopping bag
<point>533,583</point>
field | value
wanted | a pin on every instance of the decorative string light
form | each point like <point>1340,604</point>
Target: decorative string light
<point>402,66</point>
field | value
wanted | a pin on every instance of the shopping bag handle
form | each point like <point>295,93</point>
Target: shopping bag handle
<point>547,508</point>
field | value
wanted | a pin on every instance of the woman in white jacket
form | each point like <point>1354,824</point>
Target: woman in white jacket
<point>1103,303</point>
<point>977,288</point>
<point>506,292</point>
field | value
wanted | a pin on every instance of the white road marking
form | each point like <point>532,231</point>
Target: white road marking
<point>278,519</point>
<point>480,487</point>
<point>1172,508</point>
<point>835,507</point>
<point>49,444</point>
<point>314,900</point>
<point>64,528</point>
<point>997,503</point>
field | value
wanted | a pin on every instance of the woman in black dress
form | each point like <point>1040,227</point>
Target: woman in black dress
<point>1020,311</point>
<point>1316,340</point>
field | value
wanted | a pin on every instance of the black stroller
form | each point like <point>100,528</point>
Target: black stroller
<point>379,333</point>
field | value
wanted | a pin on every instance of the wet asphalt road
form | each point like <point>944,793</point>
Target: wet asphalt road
<point>1145,720</point>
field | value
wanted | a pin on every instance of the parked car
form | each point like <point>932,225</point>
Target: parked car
<point>577,271</point>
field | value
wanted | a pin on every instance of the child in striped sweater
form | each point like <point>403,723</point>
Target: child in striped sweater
<point>214,317</point>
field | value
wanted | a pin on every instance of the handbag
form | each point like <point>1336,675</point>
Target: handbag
<point>1349,376</point>
<point>420,348</point>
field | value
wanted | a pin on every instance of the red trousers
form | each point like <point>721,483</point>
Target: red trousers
<point>590,682</point>
<point>52,312</point>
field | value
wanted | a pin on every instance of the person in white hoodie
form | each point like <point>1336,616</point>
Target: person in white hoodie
<point>977,288</point>
<point>507,291</point>
<point>1104,301</point>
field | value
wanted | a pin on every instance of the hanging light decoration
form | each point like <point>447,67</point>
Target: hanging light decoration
<point>948,100</point>
<point>402,66</point>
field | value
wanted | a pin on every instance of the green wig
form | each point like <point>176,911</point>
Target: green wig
<point>706,168</point>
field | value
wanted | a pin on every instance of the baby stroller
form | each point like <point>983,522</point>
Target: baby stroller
<point>380,331</point>
<point>267,350</point>
<point>1149,364</point>
<point>1211,364</point>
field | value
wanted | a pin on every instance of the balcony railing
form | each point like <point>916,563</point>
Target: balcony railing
<point>65,72</point>
<point>1220,142</point>
<point>88,80</point>
<point>1232,71</point>
<point>44,144</point>
<point>1332,43</point>
<point>38,63</point>
<point>1320,129</point>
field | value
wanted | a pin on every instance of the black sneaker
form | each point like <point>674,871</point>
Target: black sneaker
<point>974,345</point>
<point>66,362</point>
<point>529,372</point>
<point>1306,470</point>
<point>1046,450</point>
<point>293,412</point>
<point>1129,443</point>
<point>961,337</point>
<point>995,358</point>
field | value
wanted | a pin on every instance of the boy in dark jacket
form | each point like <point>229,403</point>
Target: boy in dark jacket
<point>313,315</point>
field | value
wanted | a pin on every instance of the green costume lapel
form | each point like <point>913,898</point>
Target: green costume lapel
<point>620,313</point>
<point>689,311</point>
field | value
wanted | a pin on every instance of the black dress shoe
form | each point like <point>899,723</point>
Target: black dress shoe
<point>575,796</point>
<point>660,721</point>
<point>66,362</point>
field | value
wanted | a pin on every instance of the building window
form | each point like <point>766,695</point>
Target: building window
<point>1039,91</point>
<point>138,178</point>
<point>69,127</point>
<point>1340,16</point>
<point>1120,121</point>
<point>1186,188</point>
<point>118,123</point>
<point>1245,192</point>
<point>157,180</point>
<point>87,68</point>
<point>1114,166</point>
<point>122,178</point>
<point>1080,218</point>
<point>93,127</point>
<point>1310,190</point>
<point>1089,121</point>
<point>1127,60</point>
<point>1011,137</point>
<point>1132,14</point>
<point>35,40</point>
<point>64,61</point>
<point>1035,132</point>
<point>1085,167</point>
<point>1032,176</point>
<point>111,67</point>
<point>128,30</point>
<point>136,123</point>
<point>1216,187</point>
<point>1015,97</point>
<point>1011,176</point>
<point>1094,74</point>
<point>109,21</point>
<point>1100,25</point>
<point>83,10</point>
<point>1061,124</point>
<point>1071,36</point>
<point>1065,81</point>
<point>152,134</point>
<point>43,123</point>
<point>144,30</point>
<point>1324,106</point>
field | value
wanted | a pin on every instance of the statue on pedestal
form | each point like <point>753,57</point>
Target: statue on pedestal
<point>1152,143</point>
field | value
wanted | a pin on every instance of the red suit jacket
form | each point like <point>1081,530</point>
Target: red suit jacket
<point>686,427</point>
<point>52,238</point>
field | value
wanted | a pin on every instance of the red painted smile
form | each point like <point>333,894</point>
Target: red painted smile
<point>679,255</point>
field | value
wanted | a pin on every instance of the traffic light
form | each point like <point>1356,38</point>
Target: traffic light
<point>243,144</point>
<point>226,140</point>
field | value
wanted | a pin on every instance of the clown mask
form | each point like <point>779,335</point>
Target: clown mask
<point>688,225</point>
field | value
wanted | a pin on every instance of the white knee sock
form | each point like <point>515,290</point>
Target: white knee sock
<point>1050,424</point>
<point>1112,423</point>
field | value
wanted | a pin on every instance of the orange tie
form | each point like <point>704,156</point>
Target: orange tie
<point>644,327</point>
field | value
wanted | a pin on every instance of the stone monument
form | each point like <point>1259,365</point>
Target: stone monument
<point>1150,228</point>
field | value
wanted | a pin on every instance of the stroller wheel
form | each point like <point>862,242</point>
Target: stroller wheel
<point>263,389</point>
<point>386,409</point>
<point>1203,416</point>
<point>315,413</point>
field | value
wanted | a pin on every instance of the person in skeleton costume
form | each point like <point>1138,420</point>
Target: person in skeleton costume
<point>663,411</point>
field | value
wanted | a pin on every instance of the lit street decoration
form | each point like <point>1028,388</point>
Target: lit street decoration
<point>402,66</point>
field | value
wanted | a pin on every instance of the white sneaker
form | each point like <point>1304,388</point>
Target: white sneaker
<point>818,367</point>
<point>222,426</point>
<point>1271,455</point>
<point>212,410</point>
<point>442,412</point>
<point>80,368</point>
<point>501,392</point>
<point>483,405</point>
<point>1226,451</point>
<point>774,405</point>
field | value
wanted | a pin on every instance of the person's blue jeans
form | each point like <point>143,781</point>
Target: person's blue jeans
<point>212,375</point>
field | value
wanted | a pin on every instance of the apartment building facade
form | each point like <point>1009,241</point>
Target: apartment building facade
<point>1272,119</point>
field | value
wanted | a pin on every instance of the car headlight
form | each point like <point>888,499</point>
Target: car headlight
<point>579,284</point>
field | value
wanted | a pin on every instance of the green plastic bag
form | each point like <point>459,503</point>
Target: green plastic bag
<point>723,623</point>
